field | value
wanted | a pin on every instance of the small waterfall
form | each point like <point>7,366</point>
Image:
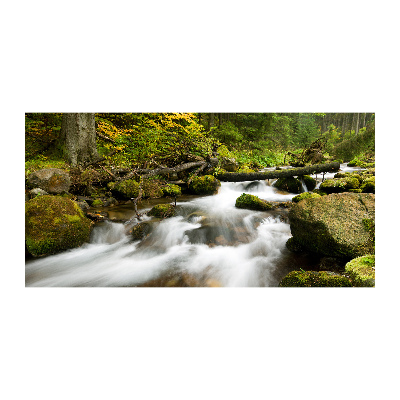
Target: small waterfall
<point>303,185</point>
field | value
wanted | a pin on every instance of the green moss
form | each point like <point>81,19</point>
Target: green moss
<point>172,190</point>
<point>368,185</point>
<point>97,203</point>
<point>305,195</point>
<point>125,189</point>
<point>206,184</point>
<point>338,185</point>
<point>54,224</point>
<point>314,279</point>
<point>359,162</point>
<point>162,211</point>
<point>72,218</point>
<point>362,270</point>
<point>252,202</point>
<point>291,184</point>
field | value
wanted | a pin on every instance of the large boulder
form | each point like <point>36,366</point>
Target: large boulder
<point>52,180</point>
<point>337,225</point>
<point>54,224</point>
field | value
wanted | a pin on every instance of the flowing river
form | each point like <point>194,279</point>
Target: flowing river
<point>209,243</point>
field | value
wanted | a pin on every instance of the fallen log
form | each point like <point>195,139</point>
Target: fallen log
<point>283,173</point>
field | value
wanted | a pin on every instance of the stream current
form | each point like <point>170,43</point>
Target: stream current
<point>209,243</point>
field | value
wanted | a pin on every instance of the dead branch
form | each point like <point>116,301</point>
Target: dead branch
<point>104,137</point>
<point>198,170</point>
<point>108,172</point>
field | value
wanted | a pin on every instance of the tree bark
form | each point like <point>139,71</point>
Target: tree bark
<point>211,120</point>
<point>78,138</point>
<point>358,123</point>
<point>283,173</point>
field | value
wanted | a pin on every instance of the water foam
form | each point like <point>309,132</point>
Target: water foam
<point>210,239</point>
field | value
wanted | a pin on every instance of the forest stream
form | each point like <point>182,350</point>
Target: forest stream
<point>209,243</point>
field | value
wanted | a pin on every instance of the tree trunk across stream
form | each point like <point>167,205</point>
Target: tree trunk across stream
<point>283,173</point>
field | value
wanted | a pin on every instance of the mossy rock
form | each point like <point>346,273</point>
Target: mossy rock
<point>172,190</point>
<point>361,270</point>
<point>162,211</point>
<point>124,190</point>
<point>361,164</point>
<point>206,184</point>
<point>357,175</point>
<point>314,279</point>
<point>305,195</point>
<point>294,246</point>
<point>337,225</point>
<point>52,180</point>
<point>368,185</point>
<point>310,182</point>
<point>290,184</point>
<point>251,202</point>
<point>339,185</point>
<point>142,230</point>
<point>54,224</point>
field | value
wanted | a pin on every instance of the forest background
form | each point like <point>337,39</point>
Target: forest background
<point>254,140</point>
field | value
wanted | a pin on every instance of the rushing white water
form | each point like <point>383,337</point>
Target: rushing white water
<point>210,243</point>
<point>303,186</point>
